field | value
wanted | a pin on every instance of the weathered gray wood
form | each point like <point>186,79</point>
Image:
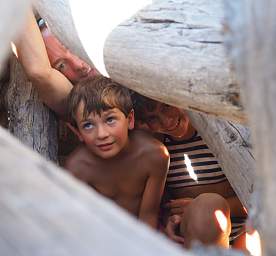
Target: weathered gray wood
<point>58,15</point>
<point>10,25</point>
<point>231,144</point>
<point>44,211</point>
<point>30,120</point>
<point>173,51</point>
<point>251,44</point>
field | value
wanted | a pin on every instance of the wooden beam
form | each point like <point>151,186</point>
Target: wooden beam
<point>173,51</point>
<point>45,211</point>
<point>251,41</point>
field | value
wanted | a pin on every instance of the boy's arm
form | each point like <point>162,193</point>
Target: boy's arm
<point>53,87</point>
<point>150,205</point>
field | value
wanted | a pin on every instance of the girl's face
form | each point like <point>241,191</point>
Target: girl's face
<point>168,120</point>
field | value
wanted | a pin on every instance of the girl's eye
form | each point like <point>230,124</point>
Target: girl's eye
<point>165,107</point>
<point>152,119</point>
<point>110,120</point>
<point>87,126</point>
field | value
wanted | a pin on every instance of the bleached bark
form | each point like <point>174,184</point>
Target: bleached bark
<point>231,144</point>
<point>173,51</point>
<point>30,120</point>
<point>44,211</point>
<point>251,41</point>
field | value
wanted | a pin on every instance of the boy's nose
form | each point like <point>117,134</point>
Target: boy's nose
<point>102,132</point>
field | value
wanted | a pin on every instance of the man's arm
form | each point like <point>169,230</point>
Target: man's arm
<point>150,205</point>
<point>53,87</point>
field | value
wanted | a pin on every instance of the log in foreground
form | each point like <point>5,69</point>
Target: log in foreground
<point>9,25</point>
<point>44,211</point>
<point>173,51</point>
<point>251,41</point>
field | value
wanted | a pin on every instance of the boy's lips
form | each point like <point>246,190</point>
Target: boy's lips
<point>105,146</point>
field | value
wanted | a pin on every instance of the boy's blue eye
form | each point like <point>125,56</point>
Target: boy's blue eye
<point>87,126</point>
<point>110,120</point>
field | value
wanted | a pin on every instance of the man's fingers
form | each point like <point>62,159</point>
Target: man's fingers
<point>171,227</point>
<point>178,202</point>
<point>178,211</point>
<point>178,239</point>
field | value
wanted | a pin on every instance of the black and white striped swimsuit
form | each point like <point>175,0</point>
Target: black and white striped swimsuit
<point>205,169</point>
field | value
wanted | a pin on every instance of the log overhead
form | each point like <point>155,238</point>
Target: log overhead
<point>173,51</point>
<point>44,211</point>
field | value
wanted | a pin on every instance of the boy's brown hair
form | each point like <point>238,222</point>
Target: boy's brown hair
<point>98,94</point>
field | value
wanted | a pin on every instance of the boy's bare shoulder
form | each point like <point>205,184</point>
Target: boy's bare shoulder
<point>150,148</point>
<point>76,159</point>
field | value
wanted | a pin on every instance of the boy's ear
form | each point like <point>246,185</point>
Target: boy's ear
<point>131,120</point>
<point>75,131</point>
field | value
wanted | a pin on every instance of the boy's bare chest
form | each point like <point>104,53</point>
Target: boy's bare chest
<point>119,184</point>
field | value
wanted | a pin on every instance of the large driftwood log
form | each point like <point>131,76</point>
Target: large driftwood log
<point>9,25</point>
<point>173,51</point>
<point>44,211</point>
<point>30,120</point>
<point>231,144</point>
<point>251,44</point>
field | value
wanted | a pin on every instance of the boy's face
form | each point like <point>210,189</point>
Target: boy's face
<point>63,60</point>
<point>168,120</point>
<point>105,135</point>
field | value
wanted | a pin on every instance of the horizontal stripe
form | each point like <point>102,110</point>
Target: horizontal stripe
<point>206,163</point>
<point>198,180</point>
<point>194,184</point>
<point>183,150</point>
<point>183,142</point>
<point>207,171</point>
<point>195,156</point>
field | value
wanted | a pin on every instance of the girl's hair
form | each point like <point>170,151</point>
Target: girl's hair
<point>142,105</point>
<point>98,94</point>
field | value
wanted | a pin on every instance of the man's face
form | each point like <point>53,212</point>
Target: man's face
<point>168,120</point>
<point>105,135</point>
<point>63,60</point>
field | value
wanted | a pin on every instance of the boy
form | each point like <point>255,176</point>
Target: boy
<point>199,199</point>
<point>127,166</point>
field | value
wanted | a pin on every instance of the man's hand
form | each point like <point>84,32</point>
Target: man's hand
<point>177,206</point>
<point>172,227</point>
